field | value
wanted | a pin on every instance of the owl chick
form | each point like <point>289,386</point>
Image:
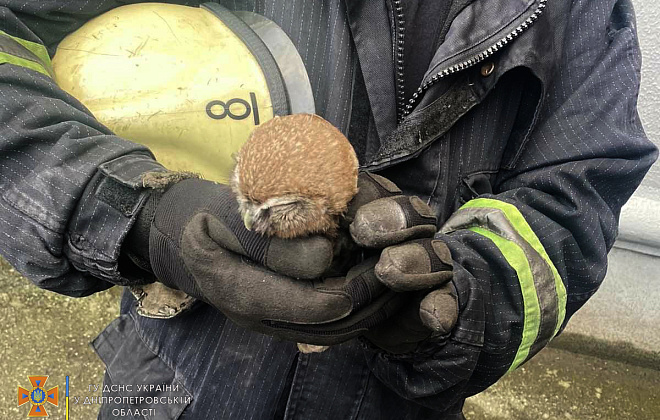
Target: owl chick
<point>295,176</point>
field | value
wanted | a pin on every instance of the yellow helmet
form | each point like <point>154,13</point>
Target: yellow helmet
<point>189,83</point>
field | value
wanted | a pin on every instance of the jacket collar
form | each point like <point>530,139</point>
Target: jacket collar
<point>479,30</point>
<point>370,27</point>
<point>483,28</point>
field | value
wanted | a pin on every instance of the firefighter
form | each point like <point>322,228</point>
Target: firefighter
<point>514,121</point>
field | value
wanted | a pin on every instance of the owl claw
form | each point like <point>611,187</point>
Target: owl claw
<point>247,220</point>
<point>310,348</point>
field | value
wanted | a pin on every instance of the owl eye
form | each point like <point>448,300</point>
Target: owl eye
<point>246,199</point>
<point>264,212</point>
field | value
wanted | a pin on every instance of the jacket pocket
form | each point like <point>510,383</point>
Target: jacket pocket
<point>139,384</point>
<point>474,185</point>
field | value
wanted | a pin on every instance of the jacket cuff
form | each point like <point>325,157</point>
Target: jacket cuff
<point>108,208</point>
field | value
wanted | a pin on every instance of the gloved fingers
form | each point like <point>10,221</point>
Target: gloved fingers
<point>249,293</point>
<point>403,332</point>
<point>370,188</point>
<point>415,265</point>
<point>339,331</point>
<point>371,302</point>
<point>439,310</point>
<point>360,284</point>
<point>262,300</point>
<point>303,258</point>
<point>425,317</point>
<point>392,220</point>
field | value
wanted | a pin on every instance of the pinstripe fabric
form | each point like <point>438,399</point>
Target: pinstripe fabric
<point>542,289</point>
<point>568,176</point>
<point>46,195</point>
<point>553,131</point>
<point>322,37</point>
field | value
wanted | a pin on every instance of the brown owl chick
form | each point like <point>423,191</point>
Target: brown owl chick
<point>295,176</point>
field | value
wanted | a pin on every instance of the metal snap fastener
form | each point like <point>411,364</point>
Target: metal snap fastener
<point>487,69</point>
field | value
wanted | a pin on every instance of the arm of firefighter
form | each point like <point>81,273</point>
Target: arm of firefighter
<point>59,167</point>
<point>527,257</point>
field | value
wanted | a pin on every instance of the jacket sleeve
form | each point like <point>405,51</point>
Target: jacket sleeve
<point>62,172</point>
<point>529,255</point>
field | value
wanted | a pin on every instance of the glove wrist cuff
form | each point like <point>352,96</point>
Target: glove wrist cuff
<point>168,269</point>
<point>136,244</point>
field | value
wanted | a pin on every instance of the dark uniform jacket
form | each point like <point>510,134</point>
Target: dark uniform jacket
<point>523,136</point>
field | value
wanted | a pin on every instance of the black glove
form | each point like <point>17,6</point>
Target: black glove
<point>418,266</point>
<point>198,244</point>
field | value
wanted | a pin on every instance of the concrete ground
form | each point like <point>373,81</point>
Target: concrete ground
<point>44,333</point>
<point>559,384</point>
<point>578,378</point>
<point>626,308</point>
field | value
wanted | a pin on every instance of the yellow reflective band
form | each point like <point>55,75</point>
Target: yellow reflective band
<point>518,221</point>
<point>11,59</point>
<point>517,259</point>
<point>33,56</point>
<point>35,48</point>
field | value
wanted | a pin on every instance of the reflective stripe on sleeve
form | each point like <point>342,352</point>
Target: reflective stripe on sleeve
<point>24,53</point>
<point>502,223</point>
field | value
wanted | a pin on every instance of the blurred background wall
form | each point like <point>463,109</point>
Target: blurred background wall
<point>640,222</point>
<point>627,307</point>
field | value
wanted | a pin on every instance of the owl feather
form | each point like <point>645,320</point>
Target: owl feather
<point>295,176</point>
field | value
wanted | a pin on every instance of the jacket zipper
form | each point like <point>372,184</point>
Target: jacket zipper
<point>399,36</point>
<point>403,108</point>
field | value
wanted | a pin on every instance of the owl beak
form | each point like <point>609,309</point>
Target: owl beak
<point>247,220</point>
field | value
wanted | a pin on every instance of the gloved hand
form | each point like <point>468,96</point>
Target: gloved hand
<point>413,263</point>
<point>198,244</point>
